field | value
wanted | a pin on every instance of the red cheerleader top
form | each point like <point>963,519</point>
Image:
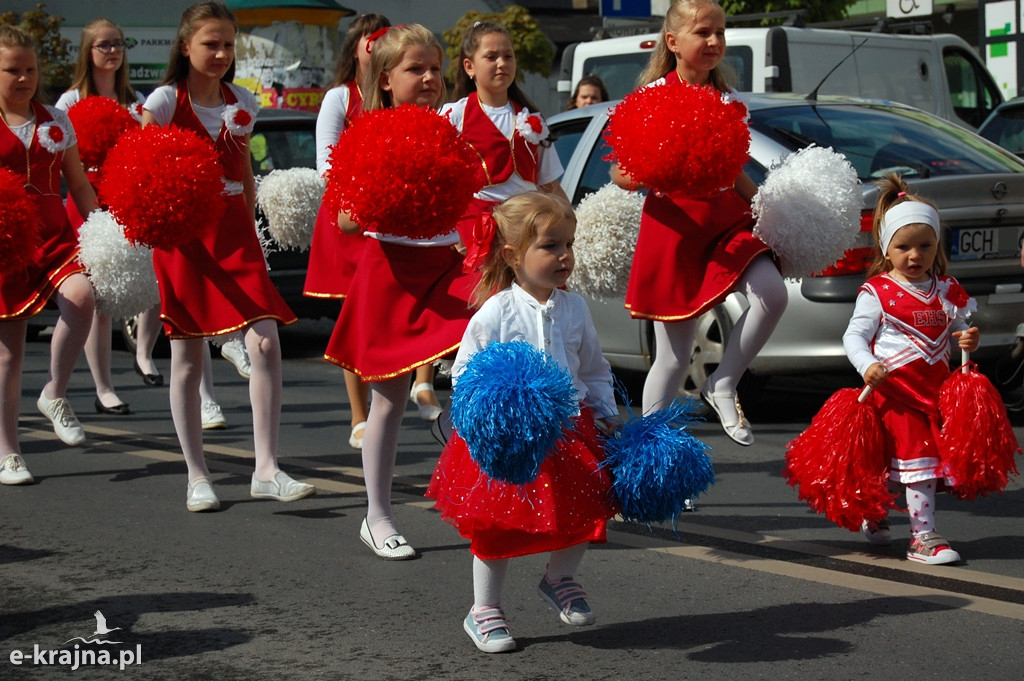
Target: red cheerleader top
<point>41,169</point>
<point>227,145</point>
<point>355,102</point>
<point>500,156</point>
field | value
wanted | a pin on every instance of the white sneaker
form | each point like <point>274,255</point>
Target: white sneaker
<point>13,471</point>
<point>213,418</point>
<point>234,352</point>
<point>62,416</point>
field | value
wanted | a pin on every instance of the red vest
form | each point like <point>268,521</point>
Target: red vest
<point>41,169</point>
<point>227,145</point>
<point>500,156</point>
<point>355,102</point>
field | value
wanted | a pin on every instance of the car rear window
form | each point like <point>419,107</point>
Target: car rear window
<point>878,140</point>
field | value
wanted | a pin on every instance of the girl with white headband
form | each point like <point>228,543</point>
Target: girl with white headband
<point>898,340</point>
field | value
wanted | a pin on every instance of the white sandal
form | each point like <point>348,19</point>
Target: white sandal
<point>428,412</point>
<point>738,432</point>
<point>355,440</point>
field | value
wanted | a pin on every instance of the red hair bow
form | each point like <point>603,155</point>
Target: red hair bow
<point>376,35</point>
<point>479,248</point>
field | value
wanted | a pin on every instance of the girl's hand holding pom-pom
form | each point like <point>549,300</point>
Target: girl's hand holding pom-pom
<point>164,185</point>
<point>404,172</point>
<point>19,224</point>
<point>679,138</point>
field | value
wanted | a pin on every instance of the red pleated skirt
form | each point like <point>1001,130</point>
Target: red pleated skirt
<point>24,294</point>
<point>218,283</point>
<point>333,257</point>
<point>568,504</point>
<point>407,306</point>
<point>690,253</point>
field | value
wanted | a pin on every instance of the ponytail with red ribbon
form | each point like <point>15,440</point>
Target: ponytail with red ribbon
<point>479,249</point>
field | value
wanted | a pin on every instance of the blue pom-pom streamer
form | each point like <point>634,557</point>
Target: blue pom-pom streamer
<point>656,464</point>
<point>510,405</point>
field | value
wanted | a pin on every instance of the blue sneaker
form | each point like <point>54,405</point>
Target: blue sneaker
<point>568,598</point>
<point>488,629</point>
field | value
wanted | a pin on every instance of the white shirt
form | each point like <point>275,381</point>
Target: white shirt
<point>549,167</point>
<point>330,123</point>
<point>562,327</point>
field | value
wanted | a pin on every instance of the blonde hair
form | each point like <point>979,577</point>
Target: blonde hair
<point>83,80</point>
<point>519,221</point>
<point>892,191</point>
<point>388,51</point>
<point>14,36</point>
<point>663,61</point>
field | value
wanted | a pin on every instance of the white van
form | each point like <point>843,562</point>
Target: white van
<point>938,73</point>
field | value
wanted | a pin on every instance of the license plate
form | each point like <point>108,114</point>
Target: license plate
<point>982,243</point>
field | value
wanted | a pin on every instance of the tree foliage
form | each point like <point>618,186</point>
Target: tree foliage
<point>53,49</point>
<point>817,10</point>
<point>534,52</point>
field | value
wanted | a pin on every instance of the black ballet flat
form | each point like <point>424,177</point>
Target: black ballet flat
<point>148,379</point>
<point>118,410</point>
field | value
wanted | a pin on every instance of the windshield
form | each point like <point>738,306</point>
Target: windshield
<point>878,140</point>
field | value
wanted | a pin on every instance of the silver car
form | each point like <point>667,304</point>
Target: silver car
<point>978,187</point>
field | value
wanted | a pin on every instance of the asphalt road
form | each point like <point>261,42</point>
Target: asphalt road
<point>750,586</point>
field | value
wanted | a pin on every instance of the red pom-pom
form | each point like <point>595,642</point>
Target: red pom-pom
<point>679,138</point>
<point>404,172</point>
<point>19,224</point>
<point>839,462</point>
<point>164,185</point>
<point>99,122</point>
<point>977,445</point>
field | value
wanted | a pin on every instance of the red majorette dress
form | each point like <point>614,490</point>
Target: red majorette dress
<point>571,499</point>
<point>501,156</point>
<point>408,305</point>
<point>690,253</point>
<point>24,294</point>
<point>217,284</point>
<point>333,255</point>
<point>912,342</point>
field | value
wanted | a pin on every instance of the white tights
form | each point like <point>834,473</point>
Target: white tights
<point>767,297</point>
<point>921,506</point>
<point>489,575</point>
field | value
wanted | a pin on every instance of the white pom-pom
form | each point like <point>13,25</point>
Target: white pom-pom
<point>290,199</point>
<point>607,225</point>
<point>121,274</point>
<point>808,210</point>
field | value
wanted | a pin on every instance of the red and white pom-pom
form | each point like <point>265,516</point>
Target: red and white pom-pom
<point>607,225</point>
<point>404,172</point>
<point>238,120</point>
<point>99,122</point>
<point>19,224</point>
<point>121,274</point>
<point>808,210</point>
<point>531,127</point>
<point>164,185</point>
<point>135,109</point>
<point>290,200</point>
<point>679,138</point>
<point>53,137</point>
<point>977,445</point>
<point>838,463</point>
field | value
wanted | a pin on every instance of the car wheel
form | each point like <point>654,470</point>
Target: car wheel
<point>713,328</point>
<point>130,333</point>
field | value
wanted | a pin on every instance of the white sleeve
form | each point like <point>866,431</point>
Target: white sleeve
<point>68,99</point>
<point>867,315</point>
<point>161,103</point>
<point>594,371</point>
<point>454,112</point>
<point>483,328</point>
<point>61,117</point>
<point>246,99</point>
<point>550,166</point>
<point>330,123</point>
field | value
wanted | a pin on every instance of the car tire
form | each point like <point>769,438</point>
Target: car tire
<point>713,329</point>
<point>130,337</point>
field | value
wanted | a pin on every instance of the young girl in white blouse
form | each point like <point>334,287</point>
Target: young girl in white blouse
<point>526,250</point>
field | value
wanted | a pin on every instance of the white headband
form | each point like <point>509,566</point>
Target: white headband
<point>907,213</point>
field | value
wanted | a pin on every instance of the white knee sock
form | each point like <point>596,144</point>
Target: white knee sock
<point>488,581</point>
<point>673,342</point>
<point>921,506</point>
